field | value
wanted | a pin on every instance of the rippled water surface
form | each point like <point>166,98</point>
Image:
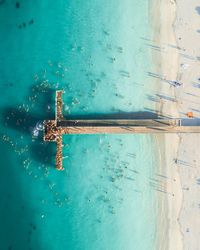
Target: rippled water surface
<point>95,51</point>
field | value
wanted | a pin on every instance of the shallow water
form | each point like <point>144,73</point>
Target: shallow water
<point>95,51</point>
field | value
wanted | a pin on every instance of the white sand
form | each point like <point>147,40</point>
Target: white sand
<point>188,165</point>
<point>175,24</point>
<point>164,14</point>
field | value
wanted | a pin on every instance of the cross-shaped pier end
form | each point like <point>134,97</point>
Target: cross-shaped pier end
<point>53,133</point>
<point>55,129</point>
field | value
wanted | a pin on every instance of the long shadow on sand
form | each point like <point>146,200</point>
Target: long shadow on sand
<point>198,9</point>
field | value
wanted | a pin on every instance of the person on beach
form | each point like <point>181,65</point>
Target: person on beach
<point>173,83</point>
<point>176,84</point>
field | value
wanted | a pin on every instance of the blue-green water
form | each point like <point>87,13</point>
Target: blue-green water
<point>94,51</point>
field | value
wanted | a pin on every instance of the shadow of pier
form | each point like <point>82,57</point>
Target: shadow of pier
<point>118,115</point>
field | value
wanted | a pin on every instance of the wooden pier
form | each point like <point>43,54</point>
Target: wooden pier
<point>55,129</point>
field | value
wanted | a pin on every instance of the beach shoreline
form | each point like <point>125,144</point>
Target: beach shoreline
<point>166,61</point>
<point>176,34</point>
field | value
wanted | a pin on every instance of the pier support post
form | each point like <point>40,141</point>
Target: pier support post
<point>59,155</point>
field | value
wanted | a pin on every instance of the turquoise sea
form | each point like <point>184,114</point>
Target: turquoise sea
<point>95,50</point>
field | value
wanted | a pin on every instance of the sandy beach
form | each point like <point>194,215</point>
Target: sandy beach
<point>177,35</point>
<point>188,159</point>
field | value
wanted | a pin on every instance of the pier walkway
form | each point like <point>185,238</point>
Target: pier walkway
<point>55,129</point>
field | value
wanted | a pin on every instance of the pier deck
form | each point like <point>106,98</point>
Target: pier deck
<point>55,129</point>
<point>59,106</point>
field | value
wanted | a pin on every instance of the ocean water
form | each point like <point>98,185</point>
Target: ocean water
<point>95,51</point>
